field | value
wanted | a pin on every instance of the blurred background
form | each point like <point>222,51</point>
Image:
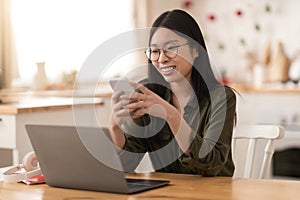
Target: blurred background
<point>251,42</point>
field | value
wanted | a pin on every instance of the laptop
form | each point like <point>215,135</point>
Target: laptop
<point>82,158</point>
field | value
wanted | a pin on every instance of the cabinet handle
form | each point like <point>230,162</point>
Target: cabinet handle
<point>1,119</point>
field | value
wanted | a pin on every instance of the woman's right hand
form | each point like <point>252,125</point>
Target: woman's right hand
<point>120,112</point>
<point>117,117</point>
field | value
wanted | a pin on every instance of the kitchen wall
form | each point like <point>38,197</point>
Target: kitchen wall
<point>238,32</point>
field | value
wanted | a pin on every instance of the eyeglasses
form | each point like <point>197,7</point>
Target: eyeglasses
<point>171,52</point>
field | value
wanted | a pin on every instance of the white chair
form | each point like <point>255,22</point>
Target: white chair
<point>251,134</point>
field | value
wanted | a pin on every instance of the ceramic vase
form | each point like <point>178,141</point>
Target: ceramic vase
<point>40,78</point>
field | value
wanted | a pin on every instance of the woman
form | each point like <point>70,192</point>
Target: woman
<point>181,115</point>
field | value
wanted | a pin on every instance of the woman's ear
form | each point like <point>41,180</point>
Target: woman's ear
<point>195,52</point>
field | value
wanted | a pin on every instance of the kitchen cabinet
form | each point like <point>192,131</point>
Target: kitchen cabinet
<point>40,110</point>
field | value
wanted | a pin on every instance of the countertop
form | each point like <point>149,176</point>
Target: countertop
<point>103,90</point>
<point>275,88</point>
<point>34,103</point>
<point>15,101</point>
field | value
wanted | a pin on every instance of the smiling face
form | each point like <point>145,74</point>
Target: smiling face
<point>177,68</point>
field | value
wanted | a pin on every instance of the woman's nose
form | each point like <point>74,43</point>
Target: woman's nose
<point>162,57</point>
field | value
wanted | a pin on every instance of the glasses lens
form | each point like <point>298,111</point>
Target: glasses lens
<point>171,52</point>
<point>152,54</point>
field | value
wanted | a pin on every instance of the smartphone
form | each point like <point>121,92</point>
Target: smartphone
<point>121,84</point>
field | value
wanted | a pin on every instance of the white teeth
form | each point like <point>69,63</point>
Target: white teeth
<point>167,69</point>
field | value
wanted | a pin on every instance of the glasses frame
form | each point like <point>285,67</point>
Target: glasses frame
<point>148,52</point>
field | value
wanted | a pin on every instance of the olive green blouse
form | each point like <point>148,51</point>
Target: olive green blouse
<point>210,144</point>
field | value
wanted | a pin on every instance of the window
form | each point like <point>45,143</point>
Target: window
<point>62,33</point>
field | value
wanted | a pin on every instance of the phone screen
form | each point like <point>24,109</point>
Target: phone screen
<point>121,84</point>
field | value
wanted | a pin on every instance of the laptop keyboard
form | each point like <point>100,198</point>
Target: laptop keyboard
<point>139,183</point>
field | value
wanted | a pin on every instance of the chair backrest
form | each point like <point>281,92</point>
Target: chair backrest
<point>253,133</point>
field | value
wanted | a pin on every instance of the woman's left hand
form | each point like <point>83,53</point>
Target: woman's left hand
<point>147,102</point>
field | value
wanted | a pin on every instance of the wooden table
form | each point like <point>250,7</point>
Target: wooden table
<point>183,187</point>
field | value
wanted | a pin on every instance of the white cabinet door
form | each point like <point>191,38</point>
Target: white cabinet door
<point>7,131</point>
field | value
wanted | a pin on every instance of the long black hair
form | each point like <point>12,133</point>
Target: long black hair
<point>203,78</point>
